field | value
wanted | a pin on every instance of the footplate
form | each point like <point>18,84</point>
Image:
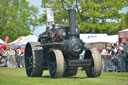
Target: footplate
<point>77,63</point>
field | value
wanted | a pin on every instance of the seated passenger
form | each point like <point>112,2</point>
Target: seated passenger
<point>53,31</point>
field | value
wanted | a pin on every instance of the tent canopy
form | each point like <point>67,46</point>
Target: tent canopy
<point>25,39</point>
<point>124,30</point>
<point>96,38</point>
<point>2,46</point>
<point>123,33</point>
<point>1,41</point>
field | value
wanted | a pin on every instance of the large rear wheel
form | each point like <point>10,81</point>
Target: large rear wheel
<point>56,64</point>
<point>96,63</point>
<point>33,59</point>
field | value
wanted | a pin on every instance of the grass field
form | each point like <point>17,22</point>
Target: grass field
<point>17,76</point>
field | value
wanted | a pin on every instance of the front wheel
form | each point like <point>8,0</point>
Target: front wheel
<point>56,63</point>
<point>96,63</point>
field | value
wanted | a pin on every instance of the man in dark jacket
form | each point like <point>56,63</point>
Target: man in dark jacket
<point>45,36</point>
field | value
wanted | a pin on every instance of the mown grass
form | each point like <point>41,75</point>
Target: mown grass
<point>17,76</point>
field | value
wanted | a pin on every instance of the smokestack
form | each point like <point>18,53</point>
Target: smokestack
<point>72,21</point>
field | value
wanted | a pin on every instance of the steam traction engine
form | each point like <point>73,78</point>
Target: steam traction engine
<point>60,56</point>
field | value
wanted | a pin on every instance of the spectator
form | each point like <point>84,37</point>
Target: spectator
<point>22,58</point>
<point>18,53</point>
<point>107,53</point>
<point>7,53</point>
<point>4,57</point>
<point>125,45</point>
<point>114,58</point>
<point>122,55</point>
<point>126,60</point>
<point>114,48</point>
<point>12,55</point>
<point>0,58</point>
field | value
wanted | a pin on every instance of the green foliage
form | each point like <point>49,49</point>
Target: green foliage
<point>93,16</point>
<point>127,20</point>
<point>123,22</point>
<point>16,16</point>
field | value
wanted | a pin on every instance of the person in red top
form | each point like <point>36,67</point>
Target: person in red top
<point>53,31</point>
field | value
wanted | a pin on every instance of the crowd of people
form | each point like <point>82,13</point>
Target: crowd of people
<point>12,57</point>
<point>115,58</point>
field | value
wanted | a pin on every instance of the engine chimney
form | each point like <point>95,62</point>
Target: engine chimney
<point>72,21</point>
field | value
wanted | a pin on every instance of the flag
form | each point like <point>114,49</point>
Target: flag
<point>50,16</point>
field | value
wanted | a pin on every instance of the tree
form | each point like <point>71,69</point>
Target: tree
<point>93,16</point>
<point>126,20</point>
<point>123,24</point>
<point>16,16</point>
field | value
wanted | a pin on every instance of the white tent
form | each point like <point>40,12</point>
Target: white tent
<point>30,38</point>
<point>1,41</point>
<point>17,41</point>
<point>24,40</point>
<point>99,38</point>
<point>112,38</point>
<point>93,38</point>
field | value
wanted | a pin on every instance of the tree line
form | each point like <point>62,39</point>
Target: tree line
<point>93,16</point>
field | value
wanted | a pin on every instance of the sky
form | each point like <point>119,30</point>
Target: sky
<point>124,10</point>
<point>41,29</point>
<point>37,3</point>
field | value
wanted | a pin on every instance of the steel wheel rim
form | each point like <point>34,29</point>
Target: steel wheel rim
<point>29,61</point>
<point>52,65</point>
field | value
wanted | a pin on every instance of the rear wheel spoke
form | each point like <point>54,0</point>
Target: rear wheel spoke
<point>30,67</point>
